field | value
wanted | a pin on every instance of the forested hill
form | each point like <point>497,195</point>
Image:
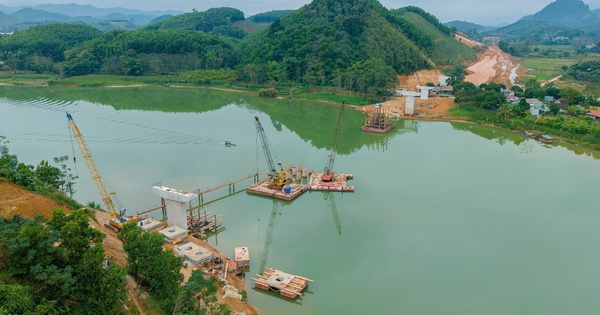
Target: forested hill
<point>328,41</point>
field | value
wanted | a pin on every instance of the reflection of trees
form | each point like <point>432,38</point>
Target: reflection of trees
<point>192,100</point>
<point>380,142</point>
<point>526,147</point>
<point>501,137</point>
<point>525,144</point>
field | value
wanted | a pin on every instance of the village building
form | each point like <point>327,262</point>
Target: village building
<point>536,107</point>
<point>509,94</point>
<point>594,114</point>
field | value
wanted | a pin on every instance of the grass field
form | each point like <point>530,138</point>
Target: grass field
<point>544,68</point>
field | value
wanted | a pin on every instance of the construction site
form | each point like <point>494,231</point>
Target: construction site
<point>185,223</point>
<point>182,218</point>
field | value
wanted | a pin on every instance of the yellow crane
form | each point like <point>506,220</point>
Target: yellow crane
<point>117,217</point>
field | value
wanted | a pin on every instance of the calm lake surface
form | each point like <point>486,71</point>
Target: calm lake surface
<point>447,218</point>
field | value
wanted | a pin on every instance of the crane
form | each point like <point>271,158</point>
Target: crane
<point>117,217</point>
<point>329,174</point>
<point>277,206</point>
<point>278,179</point>
<point>336,218</point>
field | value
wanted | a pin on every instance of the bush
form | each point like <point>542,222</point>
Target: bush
<point>270,92</point>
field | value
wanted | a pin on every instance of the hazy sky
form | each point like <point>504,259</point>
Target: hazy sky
<point>485,12</point>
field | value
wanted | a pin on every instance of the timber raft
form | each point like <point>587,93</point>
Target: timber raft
<point>287,285</point>
<point>339,183</point>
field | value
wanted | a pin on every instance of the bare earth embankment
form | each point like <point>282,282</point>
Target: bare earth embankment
<point>493,65</point>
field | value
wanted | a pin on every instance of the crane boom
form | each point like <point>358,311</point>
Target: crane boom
<point>93,168</point>
<point>265,146</point>
<point>329,174</point>
<point>278,179</point>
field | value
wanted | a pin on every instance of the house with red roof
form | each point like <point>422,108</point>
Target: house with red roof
<point>594,114</point>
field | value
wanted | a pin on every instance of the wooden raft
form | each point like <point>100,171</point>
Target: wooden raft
<point>288,285</point>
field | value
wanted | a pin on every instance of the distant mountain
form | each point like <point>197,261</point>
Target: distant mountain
<point>74,10</point>
<point>102,18</point>
<point>6,20</point>
<point>29,15</point>
<point>570,13</point>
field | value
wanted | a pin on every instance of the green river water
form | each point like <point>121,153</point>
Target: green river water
<point>447,218</point>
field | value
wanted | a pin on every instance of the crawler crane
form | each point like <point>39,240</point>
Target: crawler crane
<point>117,217</point>
<point>278,179</point>
<point>329,174</point>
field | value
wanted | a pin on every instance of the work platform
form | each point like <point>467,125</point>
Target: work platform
<point>262,188</point>
<point>339,183</point>
<point>377,129</point>
<point>287,285</point>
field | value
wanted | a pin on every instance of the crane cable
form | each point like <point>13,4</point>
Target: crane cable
<point>73,149</point>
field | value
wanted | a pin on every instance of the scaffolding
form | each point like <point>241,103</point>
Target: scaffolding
<point>377,121</point>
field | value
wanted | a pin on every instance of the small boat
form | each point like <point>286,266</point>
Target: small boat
<point>229,144</point>
<point>545,139</point>
<point>541,138</point>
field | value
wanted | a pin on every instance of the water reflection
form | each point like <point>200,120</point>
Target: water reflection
<point>380,142</point>
<point>330,197</point>
<point>275,212</point>
<point>525,144</point>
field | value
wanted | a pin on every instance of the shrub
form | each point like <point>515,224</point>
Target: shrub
<point>270,92</point>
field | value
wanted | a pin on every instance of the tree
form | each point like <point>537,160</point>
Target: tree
<point>489,99</point>
<point>57,264</point>
<point>571,96</point>
<point>159,270</point>
<point>522,108</point>
<point>197,296</point>
<point>505,112</point>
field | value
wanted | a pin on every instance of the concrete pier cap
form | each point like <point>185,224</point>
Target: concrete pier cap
<point>176,203</point>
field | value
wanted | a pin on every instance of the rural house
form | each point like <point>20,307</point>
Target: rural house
<point>594,114</point>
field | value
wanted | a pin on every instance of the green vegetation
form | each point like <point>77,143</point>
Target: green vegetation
<point>43,42</point>
<point>56,267</point>
<point>358,47</point>
<point>158,270</point>
<point>45,179</point>
<point>586,71</point>
<point>207,21</point>
<point>446,51</point>
<point>269,17</point>
<point>485,104</point>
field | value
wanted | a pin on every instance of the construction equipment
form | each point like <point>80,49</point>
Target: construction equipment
<point>329,174</point>
<point>277,206</point>
<point>336,218</point>
<point>117,217</point>
<point>277,179</point>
